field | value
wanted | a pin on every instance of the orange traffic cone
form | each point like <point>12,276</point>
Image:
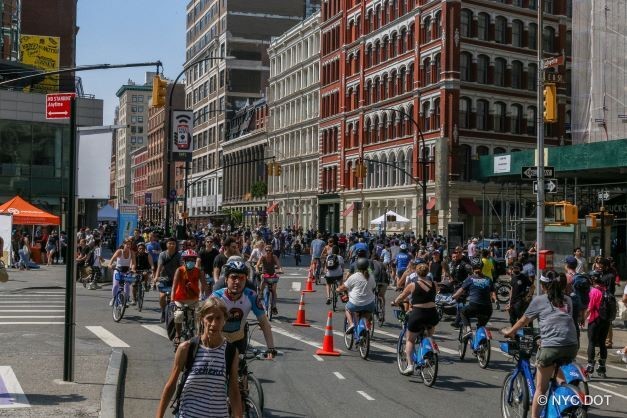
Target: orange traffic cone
<point>300,315</point>
<point>327,343</point>
<point>309,284</point>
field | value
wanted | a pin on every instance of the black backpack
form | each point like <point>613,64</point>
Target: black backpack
<point>581,285</point>
<point>194,343</point>
<point>608,307</point>
<point>332,261</point>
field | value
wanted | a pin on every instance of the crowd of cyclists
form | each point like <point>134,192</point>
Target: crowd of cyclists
<point>220,275</point>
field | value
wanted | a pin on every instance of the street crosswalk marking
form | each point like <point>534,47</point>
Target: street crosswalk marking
<point>365,395</point>
<point>11,393</point>
<point>296,286</point>
<point>32,308</point>
<point>339,375</point>
<point>157,329</point>
<point>28,302</point>
<point>107,337</point>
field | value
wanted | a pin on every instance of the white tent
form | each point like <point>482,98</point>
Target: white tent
<point>381,219</point>
<point>107,213</point>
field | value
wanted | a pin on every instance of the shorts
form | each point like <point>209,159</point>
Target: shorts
<point>547,356</point>
<point>164,287</point>
<point>179,312</point>
<point>270,279</point>
<point>331,280</point>
<point>360,308</point>
<point>420,318</point>
<point>50,249</point>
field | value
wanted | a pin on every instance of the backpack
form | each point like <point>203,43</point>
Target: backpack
<point>194,343</point>
<point>608,307</point>
<point>581,285</point>
<point>332,261</point>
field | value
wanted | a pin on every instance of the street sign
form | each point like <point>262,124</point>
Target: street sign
<point>550,186</point>
<point>531,173</point>
<point>604,195</point>
<point>58,105</point>
<point>553,78</point>
<point>553,62</point>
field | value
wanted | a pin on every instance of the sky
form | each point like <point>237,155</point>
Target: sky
<point>128,31</point>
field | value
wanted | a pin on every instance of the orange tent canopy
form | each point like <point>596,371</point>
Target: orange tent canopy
<point>26,214</point>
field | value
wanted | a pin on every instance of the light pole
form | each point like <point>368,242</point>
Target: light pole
<point>540,146</point>
<point>423,162</point>
<point>168,147</point>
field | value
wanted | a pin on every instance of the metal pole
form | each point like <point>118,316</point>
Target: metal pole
<point>70,269</point>
<point>424,188</point>
<point>540,147</point>
<point>602,246</point>
<point>168,152</point>
<point>185,191</point>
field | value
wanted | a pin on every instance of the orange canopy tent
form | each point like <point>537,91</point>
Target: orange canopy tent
<point>26,214</point>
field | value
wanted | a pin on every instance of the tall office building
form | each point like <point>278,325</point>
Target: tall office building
<point>240,30</point>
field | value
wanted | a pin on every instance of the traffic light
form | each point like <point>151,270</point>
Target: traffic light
<point>277,169</point>
<point>566,213</point>
<point>361,170</point>
<point>159,88</point>
<point>270,169</point>
<point>550,103</point>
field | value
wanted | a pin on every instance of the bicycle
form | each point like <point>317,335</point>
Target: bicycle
<point>139,288</point>
<point>165,286</point>
<point>479,343</point>
<point>119,300</point>
<point>425,355</point>
<point>379,311</point>
<point>188,327</point>
<point>360,335</point>
<point>268,296</point>
<point>317,269</point>
<point>519,384</point>
<point>334,294</point>
<point>250,388</point>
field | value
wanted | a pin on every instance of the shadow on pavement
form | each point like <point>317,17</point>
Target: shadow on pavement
<point>42,399</point>
<point>273,413</point>
<point>454,383</point>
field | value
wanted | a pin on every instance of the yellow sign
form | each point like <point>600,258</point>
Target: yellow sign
<point>43,53</point>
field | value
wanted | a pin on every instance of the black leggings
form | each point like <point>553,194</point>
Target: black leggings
<point>597,333</point>
<point>483,313</point>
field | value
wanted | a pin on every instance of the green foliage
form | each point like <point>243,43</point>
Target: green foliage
<point>259,189</point>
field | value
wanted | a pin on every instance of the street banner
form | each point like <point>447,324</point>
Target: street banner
<point>93,169</point>
<point>6,226</point>
<point>42,53</point>
<point>182,125</point>
<point>127,221</point>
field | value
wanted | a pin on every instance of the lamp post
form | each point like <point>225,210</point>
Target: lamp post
<point>423,162</point>
<point>168,147</point>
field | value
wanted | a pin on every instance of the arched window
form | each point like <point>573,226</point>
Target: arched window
<point>437,69</point>
<point>548,39</point>
<point>393,171</point>
<point>403,46</point>
<point>394,45</point>
<point>438,26</point>
<point>532,116</point>
<point>368,132</point>
<point>466,23</point>
<point>482,69</point>
<point>436,114</point>
<point>483,112</point>
<point>426,113</point>
<point>410,126</point>
<point>499,117</point>
<point>532,36</point>
<point>499,71</point>
<point>517,71</point>
<point>499,150</point>
<point>426,72</point>
<point>464,112</point>
<point>384,126</point>
<point>401,164</point>
<point>517,33</point>
<point>465,62</point>
<point>482,150</point>
<point>483,26</point>
<point>401,81</point>
<point>375,129</point>
<point>532,77</point>
<point>426,24</point>
<point>500,30</point>
<point>383,172</point>
<point>516,115</point>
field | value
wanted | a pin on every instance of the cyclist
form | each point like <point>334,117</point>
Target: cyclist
<point>239,301</point>
<point>381,278</point>
<point>360,287</point>
<point>480,291</point>
<point>169,262</point>
<point>154,249</point>
<point>334,270</point>
<point>423,313</point>
<point>316,252</point>
<point>268,264</point>
<point>459,270</point>
<point>186,289</point>
<point>143,266</point>
<point>207,254</point>
<point>124,262</point>
<point>519,296</point>
<point>557,333</point>
<point>402,261</point>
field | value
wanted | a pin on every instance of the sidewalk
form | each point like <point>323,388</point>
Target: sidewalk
<point>34,351</point>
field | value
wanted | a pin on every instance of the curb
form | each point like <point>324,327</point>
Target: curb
<point>111,396</point>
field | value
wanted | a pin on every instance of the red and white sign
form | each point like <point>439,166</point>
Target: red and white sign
<point>58,105</point>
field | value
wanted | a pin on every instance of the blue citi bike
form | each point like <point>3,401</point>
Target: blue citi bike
<point>360,336</point>
<point>425,355</point>
<point>119,300</point>
<point>562,400</point>
<point>268,297</point>
<point>479,341</point>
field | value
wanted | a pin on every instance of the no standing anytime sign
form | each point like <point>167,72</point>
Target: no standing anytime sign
<point>58,105</point>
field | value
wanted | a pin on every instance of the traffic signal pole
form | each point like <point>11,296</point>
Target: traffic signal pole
<point>540,146</point>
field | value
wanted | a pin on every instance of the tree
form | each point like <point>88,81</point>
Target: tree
<point>259,189</point>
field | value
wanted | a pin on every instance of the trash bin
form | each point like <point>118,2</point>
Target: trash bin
<point>35,253</point>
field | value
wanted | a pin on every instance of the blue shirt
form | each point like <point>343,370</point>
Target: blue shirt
<point>316,248</point>
<point>360,246</point>
<point>402,261</point>
<point>478,290</point>
<point>154,249</point>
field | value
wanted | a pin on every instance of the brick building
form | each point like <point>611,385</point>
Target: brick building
<point>465,72</point>
<point>139,179</point>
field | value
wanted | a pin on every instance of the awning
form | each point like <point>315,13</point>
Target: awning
<point>469,207</point>
<point>272,207</point>
<point>430,205</point>
<point>381,219</point>
<point>348,210</point>
<point>26,214</point>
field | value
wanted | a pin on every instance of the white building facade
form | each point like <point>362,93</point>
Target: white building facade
<point>293,106</point>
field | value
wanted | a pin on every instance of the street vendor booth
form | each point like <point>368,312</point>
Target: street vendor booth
<point>391,221</point>
<point>26,214</point>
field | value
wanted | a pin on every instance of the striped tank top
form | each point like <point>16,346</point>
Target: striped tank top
<point>205,393</point>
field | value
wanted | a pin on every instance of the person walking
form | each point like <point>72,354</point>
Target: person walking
<point>598,324</point>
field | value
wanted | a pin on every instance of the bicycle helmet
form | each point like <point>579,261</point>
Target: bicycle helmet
<point>189,254</point>
<point>476,263</point>
<point>362,264</point>
<point>403,247</point>
<point>235,267</point>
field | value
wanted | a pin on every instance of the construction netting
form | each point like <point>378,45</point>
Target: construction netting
<point>599,79</point>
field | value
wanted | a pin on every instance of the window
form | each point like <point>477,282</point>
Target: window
<point>532,77</point>
<point>516,75</point>
<point>482,69</point>
<point>464,66</point>
<point>532,41</point>
<point>466,23</point>
<point>426,113</point>
<point>532,115</point>
<point>482,114</point>
<point>464,112</point>
<point>499,71</point>
<point>500,30</point>
<point>437,69</point>
<point>483,25</point>
<point>517,33</point>
<point>499,117</point>
<point>516,114</point>
<point>140,99</point>
<point>436,114</point>
<point>140,119</point>
<point>548,39</point>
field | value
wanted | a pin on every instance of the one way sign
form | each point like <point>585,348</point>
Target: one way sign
<point>550,186</point>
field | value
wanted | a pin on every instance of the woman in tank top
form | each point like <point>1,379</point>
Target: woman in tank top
<point>124,261</point>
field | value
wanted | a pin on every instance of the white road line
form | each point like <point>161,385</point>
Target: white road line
<point>297,337</point>
<point>107,337</point>
<point>609,385</point>
<point>317,357</point>
<point>51,293</point>
<point>296,286</point>
<point>30,317</point>
<point>365,395</point>
<point>17,398</point>
<point>608,391</point>
<point>339,375</point>
<point>157,329</point>
<point>31,323</point>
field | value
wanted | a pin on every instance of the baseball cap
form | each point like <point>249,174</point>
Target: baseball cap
<point>570,261</point>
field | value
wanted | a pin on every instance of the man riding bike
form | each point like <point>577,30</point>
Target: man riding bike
<point>169,262</point>
<point>206,255</point>
<point>143,266</point>
<point>334,270</point>
<point>360,287</point>
<point>317,246</point>
<point>239,302</point>
<point>267,265</point>
<point>402,261</point>
<point>187,286</point>
<point>480,291</point>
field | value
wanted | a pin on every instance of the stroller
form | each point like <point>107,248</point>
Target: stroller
<point>444,302</point>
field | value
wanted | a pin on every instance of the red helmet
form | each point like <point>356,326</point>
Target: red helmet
<point>189,254</point>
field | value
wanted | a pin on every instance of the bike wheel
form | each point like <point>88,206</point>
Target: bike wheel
<point>255,390</point>
<point>576,411</point>
<point>401,357</point>
<point>364,345</point>
<point>462,344</point>
<point>348,338</point>
<point>429,370</point>
<point>140,297</point>
<point>119,305</point>
<point>380,311</point>
<point>519,405</point>
<point>250,409</point>
<point>483,354</point>
<point>503,293</point>
<point>371,329</point>
<point>266,301</point>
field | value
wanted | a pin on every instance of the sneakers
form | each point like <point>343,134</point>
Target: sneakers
<point>601,369</point>
<point>590,368</point>
<point>111,302</point>
<point>350,329</point>
<point>328,302</point>
<point>133,303</point>
<point>409,370</point>
<point>275,311</point>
